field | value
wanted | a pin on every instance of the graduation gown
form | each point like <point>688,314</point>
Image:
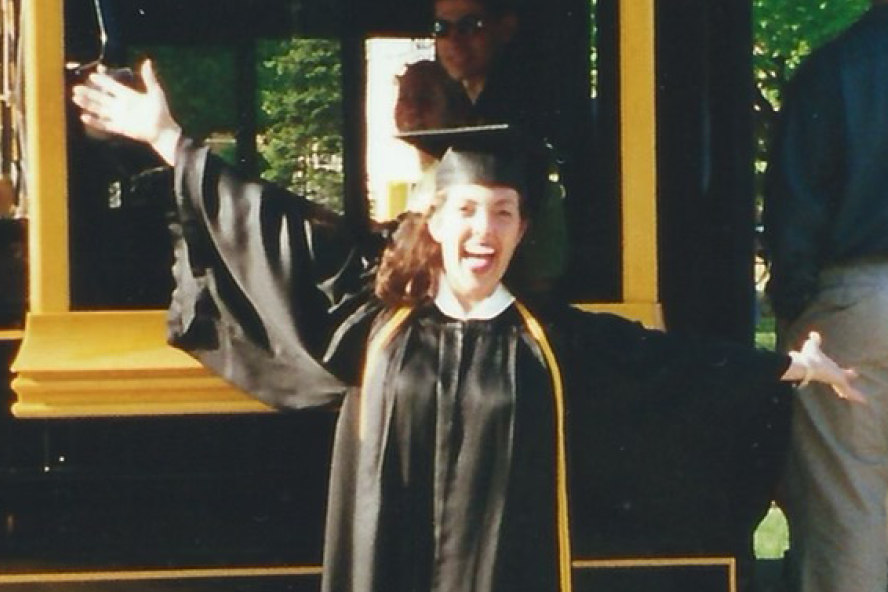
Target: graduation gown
<point>446,449</point>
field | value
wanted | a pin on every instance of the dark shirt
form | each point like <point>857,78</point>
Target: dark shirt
<point>826,198</point>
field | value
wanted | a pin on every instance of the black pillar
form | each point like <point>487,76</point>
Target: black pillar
<point>705,166</point>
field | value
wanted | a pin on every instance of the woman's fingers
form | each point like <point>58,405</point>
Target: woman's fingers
<point>815,339</point>
<point>812,345</point>
<point>848,392</point>
<point>108,85</point>
<point>92,100</point>
<point>93,121</point>
<point>148,76</point>
<point>110,106</point>
<point>830,372</point>
<point>843,387</point>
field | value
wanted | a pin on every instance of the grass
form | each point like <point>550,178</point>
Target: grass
<point>771,539</point>
<point>765,336</point>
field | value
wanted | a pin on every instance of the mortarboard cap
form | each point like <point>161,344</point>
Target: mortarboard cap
<point>487,155</point>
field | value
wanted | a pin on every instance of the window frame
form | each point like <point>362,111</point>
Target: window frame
<point>111,363</point>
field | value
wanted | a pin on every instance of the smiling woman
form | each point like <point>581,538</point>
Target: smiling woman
<point>476,222</point>
<point>478,230</point>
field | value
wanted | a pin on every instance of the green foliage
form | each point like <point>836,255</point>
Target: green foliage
<point>785,31</point>
<point>771,538</point>
<point>199,82</point>
<point>301,117</point>
<point>300,107</point>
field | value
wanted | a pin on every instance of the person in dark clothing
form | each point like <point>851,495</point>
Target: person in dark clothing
<point>476,43</point>
<point>826,229</point>
<point>462,405</point>
<point>470,37</point>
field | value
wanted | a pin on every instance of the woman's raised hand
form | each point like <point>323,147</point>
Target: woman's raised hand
<point>111,107</point>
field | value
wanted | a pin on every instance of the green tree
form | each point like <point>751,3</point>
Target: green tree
<point>785,31</point>
<point>194,79</point>
<point>301,117</point>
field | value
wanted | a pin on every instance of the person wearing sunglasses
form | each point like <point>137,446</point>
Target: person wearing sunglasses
<point>476,42</point>
<point>470,36</point>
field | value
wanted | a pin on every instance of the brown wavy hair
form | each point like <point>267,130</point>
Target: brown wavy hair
<point>411,265</point>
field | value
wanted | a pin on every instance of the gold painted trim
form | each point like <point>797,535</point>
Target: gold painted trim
<point>11,335</point>
<point>312,570</point>
<point>90,364</point>
<point>393,203</point>
<point>159,574</point>
<point>638,153</point>
<point>564,548</point>
<point>46,155</point>
<point>729,563</point>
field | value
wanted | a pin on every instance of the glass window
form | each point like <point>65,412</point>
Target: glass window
<point>271,106</point>
<point>393,166</point>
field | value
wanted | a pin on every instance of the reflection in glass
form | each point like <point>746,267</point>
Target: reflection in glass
<point>300,101</point>
<point>272,107</point>
<point>392,165</point>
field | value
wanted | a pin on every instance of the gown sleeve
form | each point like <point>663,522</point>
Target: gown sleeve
<point>264,279</point>
<point>677,440</point>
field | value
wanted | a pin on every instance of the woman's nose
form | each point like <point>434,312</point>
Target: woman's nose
<point>481,222</point>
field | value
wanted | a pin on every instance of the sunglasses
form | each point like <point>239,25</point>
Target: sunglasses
<point>467,25</point>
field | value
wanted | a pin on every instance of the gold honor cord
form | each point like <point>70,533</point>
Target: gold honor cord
<point>564,551</point>
<point>383,336</point>
<point>379,341</point>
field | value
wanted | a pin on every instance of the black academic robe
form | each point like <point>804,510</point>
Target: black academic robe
<point>444,462</point>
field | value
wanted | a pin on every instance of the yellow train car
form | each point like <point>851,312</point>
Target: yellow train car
<point>125,464</point>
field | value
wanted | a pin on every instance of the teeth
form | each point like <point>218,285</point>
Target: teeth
<point>480,251</point>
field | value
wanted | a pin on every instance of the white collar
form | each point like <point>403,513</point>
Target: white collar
<point>489,308</point>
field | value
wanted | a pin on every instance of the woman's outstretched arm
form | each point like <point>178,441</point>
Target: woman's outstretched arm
<point>263,277</point>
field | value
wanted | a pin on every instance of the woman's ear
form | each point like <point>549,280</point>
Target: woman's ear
<point>434,226</point>
<point>523,230</point>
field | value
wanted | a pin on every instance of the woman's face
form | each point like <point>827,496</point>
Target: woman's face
<point>478,228</point>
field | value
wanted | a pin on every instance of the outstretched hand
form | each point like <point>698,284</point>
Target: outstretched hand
<point>817,366</point>
<point>110,106</point>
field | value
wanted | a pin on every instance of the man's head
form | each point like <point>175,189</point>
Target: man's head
<point>469,37</point>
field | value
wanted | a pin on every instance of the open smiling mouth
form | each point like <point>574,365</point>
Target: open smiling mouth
<point>479,258</point>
